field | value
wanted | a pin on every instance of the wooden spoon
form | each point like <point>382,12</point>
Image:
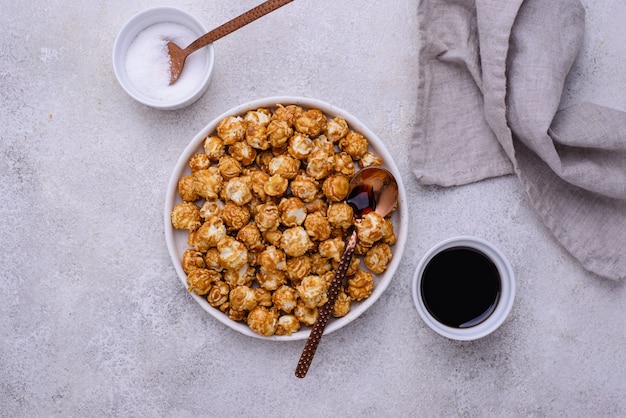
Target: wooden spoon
<point>178,55</point>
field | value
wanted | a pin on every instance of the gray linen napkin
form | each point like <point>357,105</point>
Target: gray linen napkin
<point>492,73</point>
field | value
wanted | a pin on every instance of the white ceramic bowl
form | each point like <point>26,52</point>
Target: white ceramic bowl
<point>177,240</point>
<point>507,290</point>
<point>190,86</point>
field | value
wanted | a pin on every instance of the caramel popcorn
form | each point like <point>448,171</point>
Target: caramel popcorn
<point>229,167</point>
<point>250,235</point>
<point>211,232</point>
<point>199,161</point>
<point>336,188</point>
<point>192,260</point>
<point>287,325</point>
<point>292,211</point>
<point>258,179</point>
<point>242,152</point>
<point>328,277</point>
<point>243,298</point>
<point>218,293</point>
<point>321,264</point>
<point>332,248</point>
<point>295,241</point>
<point>270,280</point>
<point>273,237</point>
<point>186,215</point>
<point>263,159</point>
<point>370,160</point>
<point>260,116</point>
<point>256,136</point>
<point>298,268</point>
<point>265,212</point>
<point>354,144</point>
<point>276,186</point>
<point>287,113</point>
<point>231,129</point>
<point>340,215</point>
<point>342,304</point>
<point>263,297</point>
<point>267,216</point>
<point>284,298</point>
<point>317,226</point>
<point>272,259</point>
<point>389,236</point>
<point>305,315</point>
<point>378,258</point>
<point>238,190</point>
<point>300,146</point>
<point>243,276</point>
<point>317,205</point>
<point>263,320</point>
<point>232,253</point>
<point>312,291</point>
<point>212,259</point>
<point>305,188</point>
<point>278,133</point>
<point>200,280</point>
<point>370,228</point>
<point>285,166</point>
<point>233,314</point>
<point>311,122</point>
<point>208,183</point>
<point>336,129</point>
<point>235,216</point>
<point>186,189</point>
<point>320,165</point>
<point>361,285</point>
<point>322,145</point>
<point>344,164</point>
<point>214,148</point>
<point>362,248</point>
<point>211,207</point>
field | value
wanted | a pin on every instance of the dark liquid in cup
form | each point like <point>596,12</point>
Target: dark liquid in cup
<point>460,287</point>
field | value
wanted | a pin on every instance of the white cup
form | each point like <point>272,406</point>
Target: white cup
<point>504,301</point>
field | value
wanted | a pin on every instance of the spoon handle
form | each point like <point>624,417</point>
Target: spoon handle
<point>324,313</point>
<point>236,23</point>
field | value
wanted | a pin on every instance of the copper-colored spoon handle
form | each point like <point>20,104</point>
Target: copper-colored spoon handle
<point>236,23</point>
<point>324,313</point>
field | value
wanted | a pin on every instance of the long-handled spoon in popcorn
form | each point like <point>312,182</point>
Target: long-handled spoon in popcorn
<point>178,55</point>
<point>371,189</point>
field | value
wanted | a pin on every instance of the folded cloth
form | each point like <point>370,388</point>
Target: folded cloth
<point>491,78</point>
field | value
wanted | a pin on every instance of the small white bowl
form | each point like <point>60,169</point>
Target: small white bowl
<point>505,301</point>
<point>191,86</point>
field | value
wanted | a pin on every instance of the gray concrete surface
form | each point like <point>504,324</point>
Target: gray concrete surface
<point>94,319</point>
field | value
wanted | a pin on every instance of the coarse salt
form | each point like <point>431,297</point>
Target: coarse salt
<point>148,62</point>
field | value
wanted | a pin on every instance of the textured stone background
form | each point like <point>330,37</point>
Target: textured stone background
<point>95,321</point>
